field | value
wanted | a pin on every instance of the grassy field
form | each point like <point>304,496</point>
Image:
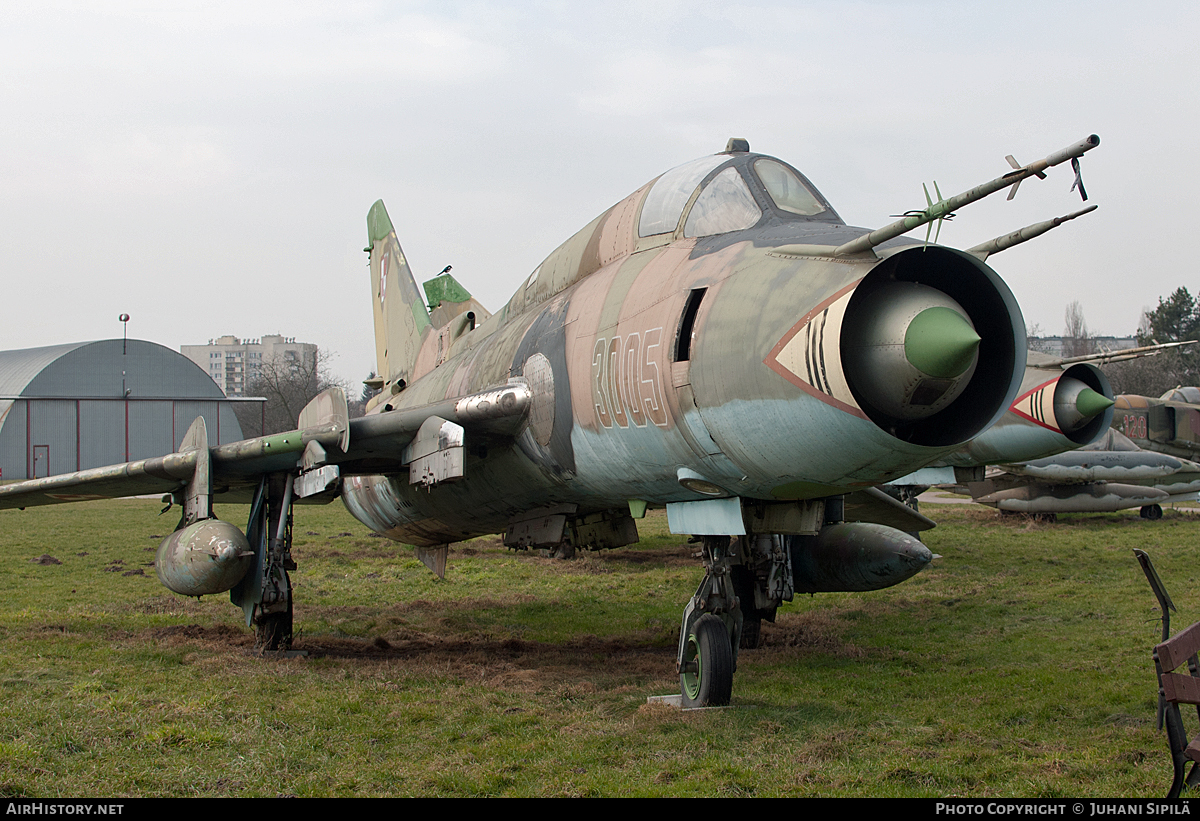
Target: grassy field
<point>1017,664</point>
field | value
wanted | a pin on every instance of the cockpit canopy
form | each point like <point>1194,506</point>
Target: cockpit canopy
<point>729,192</point>
<point>715,195</point>
<point>1191,395</point>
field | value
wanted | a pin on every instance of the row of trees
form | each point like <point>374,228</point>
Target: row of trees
<point>1176,319</point>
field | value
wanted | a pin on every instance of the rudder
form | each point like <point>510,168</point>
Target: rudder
<point>401,319</point>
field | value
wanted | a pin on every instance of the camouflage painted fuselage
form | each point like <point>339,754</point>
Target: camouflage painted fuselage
<point>1170,424</point>
<point>721,356</point>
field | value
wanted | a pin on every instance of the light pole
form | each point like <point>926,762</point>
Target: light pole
<point>124,332</point>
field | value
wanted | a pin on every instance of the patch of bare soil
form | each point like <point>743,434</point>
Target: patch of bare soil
<point>512,664</point>
<point>222,635</point>
<point>815,632</point>
<point>519,665</point>
<point>680,555</point>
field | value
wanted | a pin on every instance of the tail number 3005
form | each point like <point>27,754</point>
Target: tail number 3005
<point>626,384</point>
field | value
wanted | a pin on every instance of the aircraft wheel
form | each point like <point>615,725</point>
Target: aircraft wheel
<point>708,656</point>
<point>1152,512</point>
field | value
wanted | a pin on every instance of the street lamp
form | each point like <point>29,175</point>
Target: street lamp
<point>125,332</point>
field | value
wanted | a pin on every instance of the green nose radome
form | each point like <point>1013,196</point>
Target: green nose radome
<point>940,342</point>
<point>1089,403</point>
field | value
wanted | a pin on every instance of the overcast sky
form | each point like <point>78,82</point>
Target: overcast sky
<point>207,167</point>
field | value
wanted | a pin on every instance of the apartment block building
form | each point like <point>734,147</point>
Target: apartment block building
<point>235,363</point>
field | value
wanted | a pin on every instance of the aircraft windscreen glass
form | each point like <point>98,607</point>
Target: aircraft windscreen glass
<point>664,204</point>
<point>1190,395</point>
<point>786,189</point>
<point>726,204</point>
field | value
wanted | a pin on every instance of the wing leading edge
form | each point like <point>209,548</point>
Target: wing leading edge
<point>326,437</point>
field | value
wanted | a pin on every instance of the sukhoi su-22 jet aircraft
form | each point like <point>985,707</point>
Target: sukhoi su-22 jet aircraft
<point>719,343</point>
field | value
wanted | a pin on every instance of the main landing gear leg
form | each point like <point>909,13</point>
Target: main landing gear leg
<point>762,581</point>
<point>265,592</point>
<point>273,618</point>
<point>712,630</point>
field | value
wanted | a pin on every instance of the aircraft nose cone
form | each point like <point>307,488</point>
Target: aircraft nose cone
<point>1090,403</point>
<point>940,342</point>
<point>909,350</point>
<point>1075,404</point>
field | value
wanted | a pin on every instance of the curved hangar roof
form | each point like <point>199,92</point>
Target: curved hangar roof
<point>88,404</point>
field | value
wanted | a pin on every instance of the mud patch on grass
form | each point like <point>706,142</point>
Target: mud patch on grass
<point>586,664</point>
<point>676,556</point>
<point>817,632</point>
<point>173,606</point>
<point>222,635</point>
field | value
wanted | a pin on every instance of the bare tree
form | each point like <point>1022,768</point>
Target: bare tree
<point>358,406</point>
<point>1176,319</point>
<point>1076,340</point>
<point>289,382</point>
<point>1148,376</point>
<point>1033,339</point>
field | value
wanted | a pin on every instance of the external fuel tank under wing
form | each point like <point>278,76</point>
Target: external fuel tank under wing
<point>1108,475</point>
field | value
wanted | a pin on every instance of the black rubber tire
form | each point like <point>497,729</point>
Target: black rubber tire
<point>711,685</point>
<point>1151,512</point>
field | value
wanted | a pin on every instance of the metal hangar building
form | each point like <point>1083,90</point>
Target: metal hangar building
<point>71,407</point>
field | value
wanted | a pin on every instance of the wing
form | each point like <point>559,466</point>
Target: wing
<point>327,444</point>
<point>873,505</point>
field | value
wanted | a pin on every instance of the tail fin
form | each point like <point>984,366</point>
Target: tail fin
<point>401,320</point>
